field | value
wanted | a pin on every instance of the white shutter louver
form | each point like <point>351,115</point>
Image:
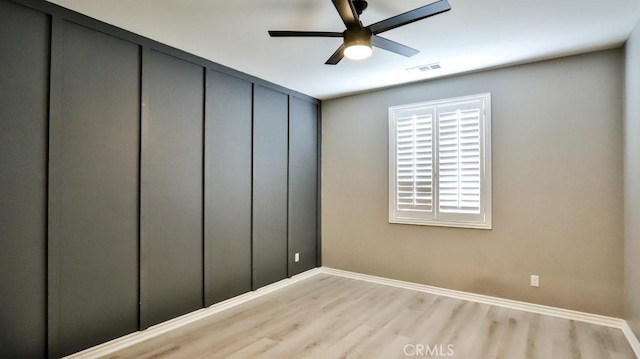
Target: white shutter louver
<point>414,165</point>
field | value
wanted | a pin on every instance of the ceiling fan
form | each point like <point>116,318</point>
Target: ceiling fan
<point>358,39</point>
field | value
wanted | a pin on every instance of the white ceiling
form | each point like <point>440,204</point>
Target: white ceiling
<point>473,35</point>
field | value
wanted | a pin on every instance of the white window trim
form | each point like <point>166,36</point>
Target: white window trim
<point>485,175</point>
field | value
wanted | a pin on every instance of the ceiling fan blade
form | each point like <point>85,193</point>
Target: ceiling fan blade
<point>393,46</point>
<point>304,34</point>
<point>408,17</point>
<point>336,57</point>
<point>348,13</point>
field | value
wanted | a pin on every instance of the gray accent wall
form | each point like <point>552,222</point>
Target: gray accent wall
<point>138,182</point>
<point>270,152</point>
<point>228,187</point>
<point>632,183</point>
<point>303,185</point>
<point>172,183</point>
<point>24,88</point>
<point>96,149</point>
<point>557,187</point>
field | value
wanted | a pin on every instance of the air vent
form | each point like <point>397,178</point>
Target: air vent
<point>425,68</point>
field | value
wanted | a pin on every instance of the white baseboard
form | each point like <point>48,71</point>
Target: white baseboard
<point>137,337</point>
<point>633,340</point>
<point>500,302</point>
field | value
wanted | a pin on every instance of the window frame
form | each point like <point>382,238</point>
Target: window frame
<point>483,220</point>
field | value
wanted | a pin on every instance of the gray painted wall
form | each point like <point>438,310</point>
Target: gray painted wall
<point>557,187</point>
<point>172,190</point>
<point>632,183</point>
<point>269,231</point>
<point>96,148</point>
<point>24,82</point>
<point>303,164</point>
<point>103,151</point>
<point>228,193</point>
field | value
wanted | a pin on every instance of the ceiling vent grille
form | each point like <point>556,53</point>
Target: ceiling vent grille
<point>425,68</point>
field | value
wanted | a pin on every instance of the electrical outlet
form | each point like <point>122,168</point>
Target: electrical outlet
<point>296,257</point>
<point>535,281</point>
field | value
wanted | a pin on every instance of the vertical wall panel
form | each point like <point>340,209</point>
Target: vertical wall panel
<point>98,188</point>
<point>172,185</point>
<point>24,63</point>
<point>228,187</point>
<point>303,164</point>
<point>270,143</point>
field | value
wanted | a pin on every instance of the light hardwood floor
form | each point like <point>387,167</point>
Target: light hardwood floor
<point>333,317</point>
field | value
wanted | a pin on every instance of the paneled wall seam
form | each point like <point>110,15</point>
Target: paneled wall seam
<point>144,240</point>
<point>53,240</point>
<point>48,191</point>
<point>205,73</point>
<point>140,142</point>
<point>253,119</point>
<point>319,187</point>
<point>289,246</point>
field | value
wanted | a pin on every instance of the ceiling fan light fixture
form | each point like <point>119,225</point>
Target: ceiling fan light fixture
<point>357,44</point>
<point>358,51</point>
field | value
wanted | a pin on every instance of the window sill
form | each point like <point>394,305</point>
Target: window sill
<point>486,226</point>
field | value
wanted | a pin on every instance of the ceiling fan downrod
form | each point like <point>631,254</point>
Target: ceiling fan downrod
<point>360,5</point>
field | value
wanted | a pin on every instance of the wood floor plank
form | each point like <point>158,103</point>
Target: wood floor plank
<point>330,317</point>
<point>253,350</point>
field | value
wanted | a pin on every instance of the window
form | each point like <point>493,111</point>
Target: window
<point>440,163</point>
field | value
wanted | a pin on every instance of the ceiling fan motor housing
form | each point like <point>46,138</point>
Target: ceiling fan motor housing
<point>359,36</point>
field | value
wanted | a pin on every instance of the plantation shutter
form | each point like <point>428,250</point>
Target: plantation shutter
<point>459,155</point>
<point>414,166</point>
<point>440,163</point>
